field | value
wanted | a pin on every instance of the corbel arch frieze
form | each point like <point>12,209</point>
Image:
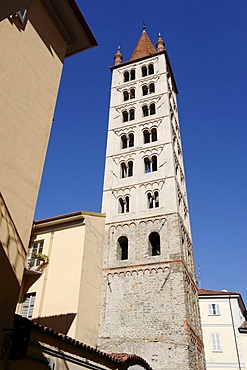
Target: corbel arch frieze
<point>126,106</point>
<point>151,123</point>
<point>150,61</point>
<point>127,86</point>
<point>151,151</point>
<point>125,130</point>
<point>123,158</point>
<point>140,271</point>
<point>151,99</point>
<point>149,80</point>
<point>152,185</point>
<point>123,191</point>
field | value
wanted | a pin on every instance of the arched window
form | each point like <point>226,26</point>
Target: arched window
<point>132,74</point>
<point>122,246</point>
<point>132,94</point>
<point>126,95</point>
<point>151,88</point>
<point>127,200</point>
<point>150,201</point>
<point>131,139</point>
<point>130,168</point>
<point>124,205</point>
<point>126,76</point>
<point>124,141</point>
<point>146,136</point>
<point>156,199</point>
<point>154,244</point>
<point>152,109</point>
<point>145,110</point>
<point>153,134</point>
<point>154,163</point>
<point>148,110</point>
<point>127,141</point>
<point>132,114</point>
<point>151,69</point>
<point>144,71</point>
<point>153,200</point>
<point>147,165</point>
<point>150,165</point>
<point>126,170</point>
<point>123,170</point>
<point>144,90</point>
<point>125,116</point>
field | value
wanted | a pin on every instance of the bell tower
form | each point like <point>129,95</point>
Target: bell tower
<point>149,295</point>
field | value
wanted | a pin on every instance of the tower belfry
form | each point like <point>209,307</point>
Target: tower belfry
<point>149,300</point>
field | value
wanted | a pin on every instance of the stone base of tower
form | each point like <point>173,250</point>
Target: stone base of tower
<point>159,355</point>
<point>151,310</point>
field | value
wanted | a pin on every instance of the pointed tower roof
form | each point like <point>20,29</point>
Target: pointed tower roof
<point>144,46</point>
<point>118,58</point>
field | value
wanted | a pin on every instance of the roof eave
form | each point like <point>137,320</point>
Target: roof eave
<point>71,24</point>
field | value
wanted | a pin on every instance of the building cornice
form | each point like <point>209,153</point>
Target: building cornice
<point>63,221</point>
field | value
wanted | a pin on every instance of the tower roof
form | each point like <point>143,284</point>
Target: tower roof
<point>144,47</point>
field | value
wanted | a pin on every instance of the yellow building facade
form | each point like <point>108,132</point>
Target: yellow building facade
<point>71,246</point>
<point>223,317</point>
<point>34,43</point>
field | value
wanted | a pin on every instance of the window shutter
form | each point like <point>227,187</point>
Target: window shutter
<point>218,309</point>
<point>210,312</point>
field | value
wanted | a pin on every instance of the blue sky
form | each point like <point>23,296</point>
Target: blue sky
<point>206,42</point>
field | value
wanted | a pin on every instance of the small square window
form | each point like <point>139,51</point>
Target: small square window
<point>214,309</point>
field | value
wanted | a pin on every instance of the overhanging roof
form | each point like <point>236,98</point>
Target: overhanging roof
<point>72,25</point>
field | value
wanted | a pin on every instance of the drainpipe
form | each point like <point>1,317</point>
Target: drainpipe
<point>234,333</point>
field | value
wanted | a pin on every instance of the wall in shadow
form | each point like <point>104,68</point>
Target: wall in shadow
<point>60,323</point>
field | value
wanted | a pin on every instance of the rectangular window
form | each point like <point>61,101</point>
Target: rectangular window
<point>36,248</point>
<point>214,309</point>
<point>28,305</point>
<point>216,346</point>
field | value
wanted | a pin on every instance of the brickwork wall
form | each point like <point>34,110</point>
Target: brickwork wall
<point>149,303</point>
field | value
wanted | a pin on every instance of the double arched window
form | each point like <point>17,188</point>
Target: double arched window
<point>129,76</point>
<point>122,248</point>
<point>124,203</point>
<point>154,244</point>
<point>150,135</point>
<point>150,164</point>
<point>147,70</point>
<point>126,169</point>
<point>129,94</point>
<point>148,89</point>
<point>128,115</point>
<point>148,110</point>
<point>153,200</point>
<point>127,141</point>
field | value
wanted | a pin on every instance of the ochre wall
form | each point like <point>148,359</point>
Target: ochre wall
<point>31,63</point>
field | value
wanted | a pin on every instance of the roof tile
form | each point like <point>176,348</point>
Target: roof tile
<point>143,48</point>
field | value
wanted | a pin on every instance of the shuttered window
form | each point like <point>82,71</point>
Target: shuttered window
<point>216,346</point>
<point>28,305</point>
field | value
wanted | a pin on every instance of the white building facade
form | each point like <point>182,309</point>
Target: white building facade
<point>223,316</point>
<point>149,300</point>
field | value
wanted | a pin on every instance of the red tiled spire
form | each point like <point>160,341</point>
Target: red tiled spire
<point>144,47</point>
<point>118,58</point>
<point>160,44</point>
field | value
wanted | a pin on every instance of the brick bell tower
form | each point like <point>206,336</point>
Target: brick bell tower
<point>149,295</point>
